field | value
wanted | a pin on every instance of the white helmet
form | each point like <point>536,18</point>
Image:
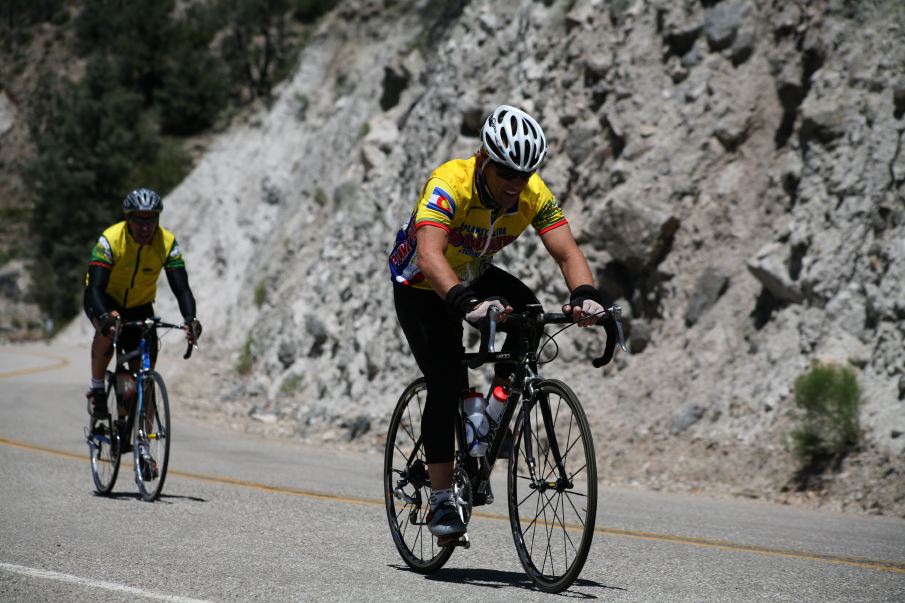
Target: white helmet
<point>513,138</point>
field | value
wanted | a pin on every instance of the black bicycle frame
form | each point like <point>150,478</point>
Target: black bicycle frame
<point>526,373</point>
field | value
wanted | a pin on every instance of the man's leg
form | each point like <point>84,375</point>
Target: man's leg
<point>101,352</point>
<point>435,338</point>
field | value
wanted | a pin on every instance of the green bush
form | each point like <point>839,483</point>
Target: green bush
<point>255,44</point>
<point>246,357</point>
<point>308,11</point>
<point>291,384</point>
<point>17,14</point>
<point>261,293</point>
<point>827,401</point>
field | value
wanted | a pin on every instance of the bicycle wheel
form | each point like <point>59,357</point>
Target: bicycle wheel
<point>407,485</point>
<point>103,443</point>
<point>151,438</point>
<point>552,518</point>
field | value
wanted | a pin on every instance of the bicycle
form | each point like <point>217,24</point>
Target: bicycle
<point>138,413</point>
<point>552,475</point>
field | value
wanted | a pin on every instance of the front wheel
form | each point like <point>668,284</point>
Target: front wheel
<point>552,508</point>
<point>151,438</point>
<point>103,443</point>
<point>406,485</point>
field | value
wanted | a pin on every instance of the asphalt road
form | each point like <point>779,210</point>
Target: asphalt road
<point>244,518</point>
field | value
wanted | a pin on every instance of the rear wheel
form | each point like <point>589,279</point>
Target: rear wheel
<point>552,515</point>
<point>151,438</point>
<point>103,442</point>
<point>406,484</point>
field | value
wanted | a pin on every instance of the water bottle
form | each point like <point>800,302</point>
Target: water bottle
<point>497,404</point>
<point>476,426</point>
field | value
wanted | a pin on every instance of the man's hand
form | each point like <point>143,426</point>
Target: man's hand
<point>585,305</point>
<point>476,315</point>
<point>465,303</point>
<point>106,324</point>
<point>192,328</point>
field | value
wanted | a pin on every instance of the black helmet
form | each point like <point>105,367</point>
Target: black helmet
<point>142,199</point>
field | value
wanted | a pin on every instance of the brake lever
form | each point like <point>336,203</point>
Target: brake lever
<point>493,313</point>
<point>192,345</point>
<point>487,337</point>
<point>616,312</point>
<point>612,324</point>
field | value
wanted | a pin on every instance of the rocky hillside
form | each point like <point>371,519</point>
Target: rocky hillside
<point>734,171</point>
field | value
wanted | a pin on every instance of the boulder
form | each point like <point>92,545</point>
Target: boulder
<point>770,266</point>
<point>723,22</point>
<point>708,288</point>
<point>634,232</point>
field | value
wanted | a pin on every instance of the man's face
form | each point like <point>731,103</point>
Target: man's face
<point>143,225</point>
<point>505,183</point>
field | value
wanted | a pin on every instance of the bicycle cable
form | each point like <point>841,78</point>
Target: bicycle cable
<point>550,338</point>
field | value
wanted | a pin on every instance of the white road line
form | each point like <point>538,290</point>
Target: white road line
<point>121,588</point>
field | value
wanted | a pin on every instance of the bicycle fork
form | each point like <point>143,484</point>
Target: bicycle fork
<point>562,482</point>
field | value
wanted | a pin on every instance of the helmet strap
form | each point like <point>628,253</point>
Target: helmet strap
<point>484,195</point>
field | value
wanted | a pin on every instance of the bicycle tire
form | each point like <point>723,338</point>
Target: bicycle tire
<point>543,519</point>
<point>104,446</point>
<point>154,432</point>
<point>408,518</point>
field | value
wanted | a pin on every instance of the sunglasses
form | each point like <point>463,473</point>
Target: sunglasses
<point>143,219</point>
<point>507,173</point>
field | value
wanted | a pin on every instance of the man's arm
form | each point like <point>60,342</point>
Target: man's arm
<point>178,279</point>
<point>586,304</point>
<point>564,250</point>
<point>95,299</point>
<point>432,242</point>
<point>461,300</point>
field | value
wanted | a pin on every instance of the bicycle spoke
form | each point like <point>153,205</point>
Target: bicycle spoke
<point>404,452</point>
<point>553,532</point>
<point>151,436</point>
<point>103,446</point>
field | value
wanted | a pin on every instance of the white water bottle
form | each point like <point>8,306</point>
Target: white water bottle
<point>497,403</point>
<point>476,426</point>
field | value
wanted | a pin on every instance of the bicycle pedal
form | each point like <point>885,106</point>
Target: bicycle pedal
<point>462,541</point>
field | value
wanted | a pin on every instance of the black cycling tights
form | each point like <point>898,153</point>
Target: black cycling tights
<point>435,337</point>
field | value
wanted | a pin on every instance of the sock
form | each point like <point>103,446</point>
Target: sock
<point>438,496</point>
<point>97,383</point>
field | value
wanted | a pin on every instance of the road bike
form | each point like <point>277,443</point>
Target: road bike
<point>552,474</point>
<point>138,417</point>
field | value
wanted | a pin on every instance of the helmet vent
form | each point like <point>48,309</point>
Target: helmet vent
<point>513,138</point>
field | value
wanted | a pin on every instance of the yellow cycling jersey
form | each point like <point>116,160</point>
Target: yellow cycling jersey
<point>450,201</point>
<point>134,269</point>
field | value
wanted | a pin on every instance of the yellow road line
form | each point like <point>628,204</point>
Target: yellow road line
<point>875,564</point>
<point>60,363</point>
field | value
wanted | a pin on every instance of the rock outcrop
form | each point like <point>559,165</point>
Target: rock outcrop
<point>734,171</point>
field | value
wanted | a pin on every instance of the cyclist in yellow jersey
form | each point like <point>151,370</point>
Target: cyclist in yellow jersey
<point>442,272</point>
<point>122,282</point>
